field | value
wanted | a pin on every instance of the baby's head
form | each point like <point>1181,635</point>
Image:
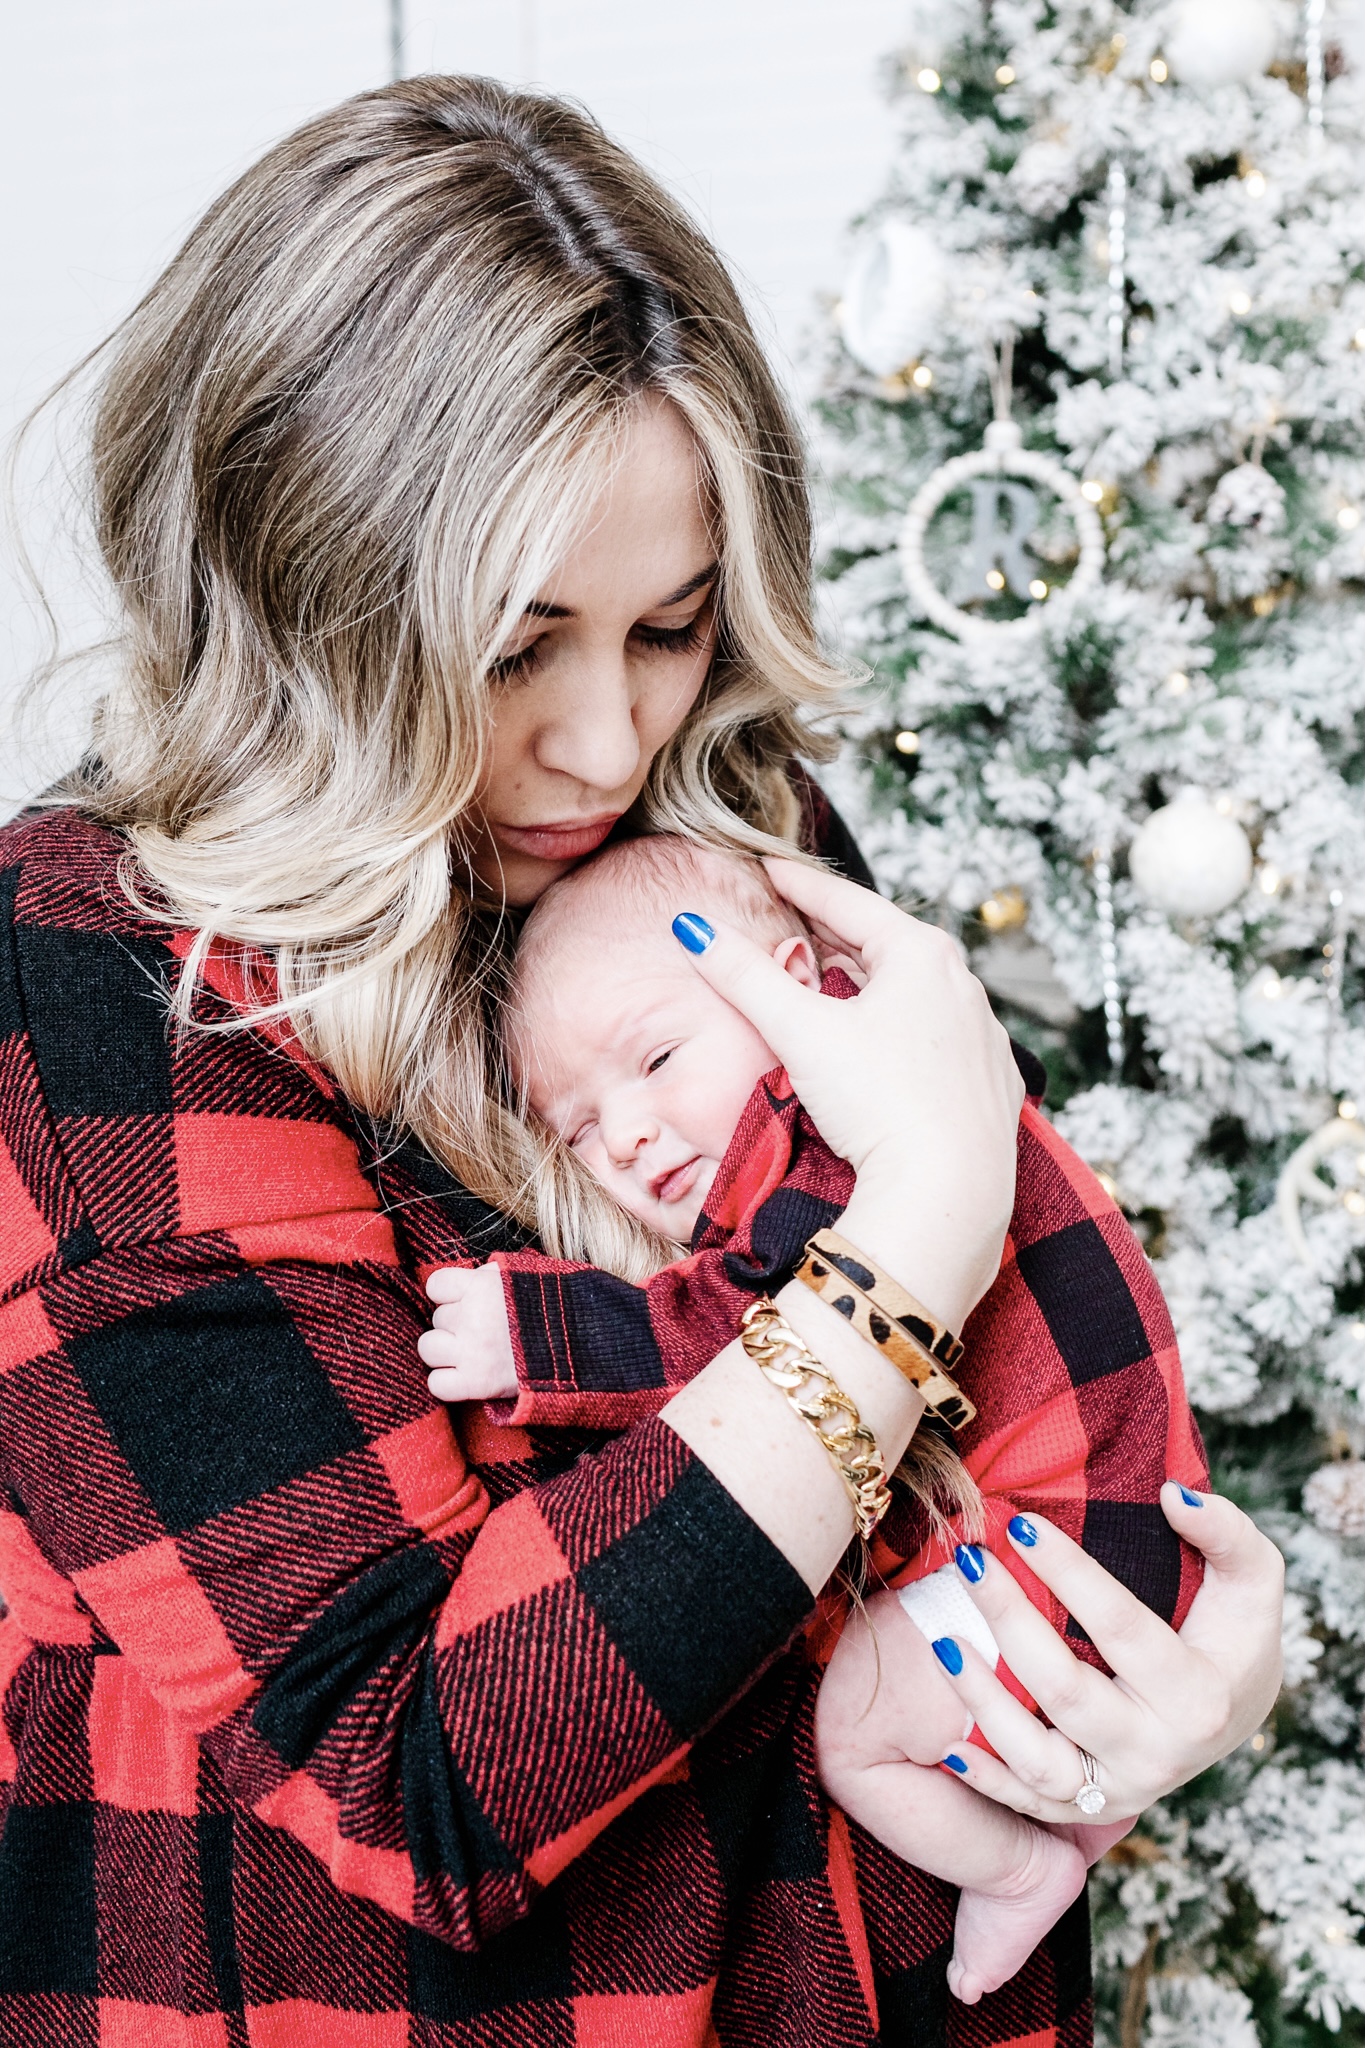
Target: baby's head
<point>616,1041</point>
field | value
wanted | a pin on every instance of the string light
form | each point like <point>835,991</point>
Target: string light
<point>1255,184</point>
<point>1109,956</point>
<point>1004,74</point>
<point>1157,71</point>
<point>1037,589</point>
<point>1348,518</point>
<point>1093,489</point>
<point>1239,303</point>
<point>1117,255</point>
<point>1177,683</point>
<point>921,376</point>
<point>995,579</point>
<point>1314,63</point>
<point>1269,879</point>
<point>907,742</point>
<point>928,79</point>
<point>1358,338</point>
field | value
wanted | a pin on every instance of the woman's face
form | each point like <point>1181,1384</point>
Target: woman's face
<point>608,662</point>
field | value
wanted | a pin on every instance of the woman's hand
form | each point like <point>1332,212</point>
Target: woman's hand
<point>912,1081</point>
<point>1176,1704</point>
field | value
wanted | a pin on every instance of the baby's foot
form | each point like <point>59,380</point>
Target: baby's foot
<point>998,1931</point>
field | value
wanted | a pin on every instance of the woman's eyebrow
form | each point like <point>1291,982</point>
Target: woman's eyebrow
<point>537,610</point>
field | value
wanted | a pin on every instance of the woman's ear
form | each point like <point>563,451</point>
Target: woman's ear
<point>796,956</point>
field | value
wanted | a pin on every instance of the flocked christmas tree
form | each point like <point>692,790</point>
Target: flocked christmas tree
<point>1095,422</point>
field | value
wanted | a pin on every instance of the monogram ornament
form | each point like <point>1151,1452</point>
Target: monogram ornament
<point>1005,515</point>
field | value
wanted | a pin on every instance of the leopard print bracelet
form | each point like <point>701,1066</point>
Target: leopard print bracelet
<point>830,1273</point>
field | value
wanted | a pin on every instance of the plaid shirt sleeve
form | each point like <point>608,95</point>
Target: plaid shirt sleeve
<point>220,1458</point>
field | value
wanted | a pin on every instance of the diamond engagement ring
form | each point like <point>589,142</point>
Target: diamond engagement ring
<point>1090,1799</point>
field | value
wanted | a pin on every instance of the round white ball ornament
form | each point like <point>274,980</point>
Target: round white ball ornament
<point>1219,42</point>
<point>1189,859</point>
<point>893,298</point>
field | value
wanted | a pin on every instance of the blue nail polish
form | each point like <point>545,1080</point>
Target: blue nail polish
<point>970,1562</point>
<point>955,1763</point>
<point>949,1656</point>
<point>1023,1531</point>
<point>692,931</point>
<point>1191,1500</point>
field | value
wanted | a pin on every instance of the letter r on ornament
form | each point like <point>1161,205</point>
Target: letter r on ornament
<point>995,544</point>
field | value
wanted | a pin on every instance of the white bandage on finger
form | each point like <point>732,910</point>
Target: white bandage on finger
<point>941,1606</point>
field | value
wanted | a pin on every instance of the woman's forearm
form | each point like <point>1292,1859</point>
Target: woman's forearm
<point>762,1452</point>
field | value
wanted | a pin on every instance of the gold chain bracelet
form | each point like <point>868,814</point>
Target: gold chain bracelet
<point>787,1361</point>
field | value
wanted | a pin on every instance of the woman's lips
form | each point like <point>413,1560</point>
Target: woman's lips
<point>556,842</point>
<point>672,1186</point>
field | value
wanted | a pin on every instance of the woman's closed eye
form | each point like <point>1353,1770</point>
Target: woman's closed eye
<point>520,666</point>
<point>656,1060</point>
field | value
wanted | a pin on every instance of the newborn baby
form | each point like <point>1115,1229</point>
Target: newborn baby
<point>671,1099</point>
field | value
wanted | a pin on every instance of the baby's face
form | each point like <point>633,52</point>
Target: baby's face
<point>644,1070</point>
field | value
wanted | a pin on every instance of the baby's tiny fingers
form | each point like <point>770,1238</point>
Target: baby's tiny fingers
<point>439,1348</point>
<point>449,1385</point>
<point>448,1283</point>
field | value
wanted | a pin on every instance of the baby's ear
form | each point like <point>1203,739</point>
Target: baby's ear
<point>796,956</point>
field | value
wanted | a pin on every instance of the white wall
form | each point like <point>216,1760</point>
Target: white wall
<point>123,117</point>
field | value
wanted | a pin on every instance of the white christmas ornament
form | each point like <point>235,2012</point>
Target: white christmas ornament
<point>893,298</point>
<point>991,474</point>
<point>1219,42</point>
<point>1189,859</point>
<point>1299,1182</point>
<point>1247,496</point>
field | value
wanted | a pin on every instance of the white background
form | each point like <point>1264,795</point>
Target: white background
<point>124,117</point>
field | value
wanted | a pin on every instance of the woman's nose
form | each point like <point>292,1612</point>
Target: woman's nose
<point>590,733</point>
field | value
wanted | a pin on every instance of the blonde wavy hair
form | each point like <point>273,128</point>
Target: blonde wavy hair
<point>337,448</point>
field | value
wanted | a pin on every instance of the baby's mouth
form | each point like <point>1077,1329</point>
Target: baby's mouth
<point>677,1182</point>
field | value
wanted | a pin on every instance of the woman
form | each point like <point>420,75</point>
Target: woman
<point>455,517</point>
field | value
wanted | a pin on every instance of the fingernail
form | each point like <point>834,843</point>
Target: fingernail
<point>949,1656</point>
<point>970,1562</point>
<point>1191,1500</point>
<point>1023,1531</point>
<point>692,931</point>
<point>955,1763</point>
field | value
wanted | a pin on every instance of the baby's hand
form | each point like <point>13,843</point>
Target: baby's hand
<point>469,1349</point>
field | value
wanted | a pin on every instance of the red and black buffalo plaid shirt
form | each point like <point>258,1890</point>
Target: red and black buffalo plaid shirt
<point>333,1721</point>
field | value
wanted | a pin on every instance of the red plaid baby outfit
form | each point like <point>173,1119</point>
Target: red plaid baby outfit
<point>330,1719</point>
<point>1070,1357</point>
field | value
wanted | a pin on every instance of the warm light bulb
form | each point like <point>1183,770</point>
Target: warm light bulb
<point>1239,303</point>
<point>1358,338</point>
<point>1358,1332</point>
<point>1258,1742</point>
<point>1158,71</point>
<point>1272,988</point>
<point>1353,1202</point>
<point>921,376</point>
<point>1037,589</point>
<point>1224,806</point>
<point>1004,74</point>
<point>907,742</point>
<point>1102,249</point>
<point>928,80</point>
<point>1255,184</point>
<point>1348,518</point>
<point>1269,879</point>
<point>1347,1108</point>
<point>1119,43</point>
<point>1092,490</point>
<point>995,579</point>
<point>1177,682</point>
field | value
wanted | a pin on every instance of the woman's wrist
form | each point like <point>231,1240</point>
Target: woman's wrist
<point>919,1242</point>
<point>886,1401</point>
